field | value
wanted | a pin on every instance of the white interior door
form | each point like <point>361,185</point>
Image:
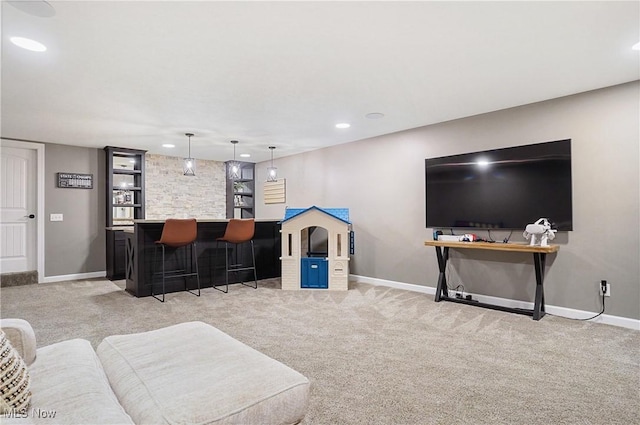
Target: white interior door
<point>17,210</point>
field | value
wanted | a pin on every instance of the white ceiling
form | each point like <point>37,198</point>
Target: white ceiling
<point>140,74</point>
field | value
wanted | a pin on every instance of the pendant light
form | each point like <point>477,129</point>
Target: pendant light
<point>272,172</point>
<point>234,166</point>
<point>189,165</point>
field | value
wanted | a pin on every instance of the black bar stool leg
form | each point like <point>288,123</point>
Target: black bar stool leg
<point>253,264</point>
<point>226,263</point>
<point>163,273</point>
<point>213,272</point>
<point>194,259</point>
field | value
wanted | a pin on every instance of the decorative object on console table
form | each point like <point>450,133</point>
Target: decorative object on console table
<point>539,232</point>
<point>124,202</point>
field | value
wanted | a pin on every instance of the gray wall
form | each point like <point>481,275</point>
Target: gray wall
<point>77,244</point>
<point>381,180</point>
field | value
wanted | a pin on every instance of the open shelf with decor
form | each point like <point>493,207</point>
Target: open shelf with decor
<point>240,191</point>
<point>124,202</point>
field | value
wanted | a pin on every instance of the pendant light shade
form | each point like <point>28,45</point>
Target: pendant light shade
<point>272,172</point>
<point>234,166</point>
<point>189,165</point>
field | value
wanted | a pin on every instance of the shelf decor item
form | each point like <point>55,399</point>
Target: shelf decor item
<point>272,172</point>
<point>234,167</point>
<point>189,166</point>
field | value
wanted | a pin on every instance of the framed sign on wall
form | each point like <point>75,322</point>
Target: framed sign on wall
<point>75,180</point>
<point>275,192</point>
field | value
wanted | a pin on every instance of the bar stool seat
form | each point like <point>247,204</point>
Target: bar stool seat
<point>237,232</point>
<point>176,234</point>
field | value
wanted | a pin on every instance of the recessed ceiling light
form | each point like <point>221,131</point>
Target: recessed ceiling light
<point>343,125</point>
<point>636,46</point>
<point>38,8</point>
<point>245,155</point>
<point>374,115</point>
<point>168,145</point>
<point>28,44</point>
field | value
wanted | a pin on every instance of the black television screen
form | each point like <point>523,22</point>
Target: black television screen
<point>502,188</point>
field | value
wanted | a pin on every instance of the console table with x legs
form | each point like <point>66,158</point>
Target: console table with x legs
<point>539,258</point>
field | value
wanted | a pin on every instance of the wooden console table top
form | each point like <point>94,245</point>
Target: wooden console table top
<point>496,246</point>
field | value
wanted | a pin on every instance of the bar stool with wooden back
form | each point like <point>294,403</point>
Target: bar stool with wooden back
<point>176,234</point>
<point>237,232</point>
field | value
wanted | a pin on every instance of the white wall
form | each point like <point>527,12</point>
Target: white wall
<point>381,180</point>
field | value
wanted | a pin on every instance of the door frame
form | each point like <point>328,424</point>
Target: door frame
<point>40,209</point>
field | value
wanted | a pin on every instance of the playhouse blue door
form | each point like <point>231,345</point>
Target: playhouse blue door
<point>314,273</point>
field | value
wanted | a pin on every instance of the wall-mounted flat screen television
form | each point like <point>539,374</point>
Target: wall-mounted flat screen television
<point>502,188</point>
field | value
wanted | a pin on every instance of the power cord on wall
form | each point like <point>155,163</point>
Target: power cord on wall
<point>459,288</point>
<point>582,320</point>
<point>447,273</point>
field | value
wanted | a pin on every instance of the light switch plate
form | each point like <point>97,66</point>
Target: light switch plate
<point>56,217</point>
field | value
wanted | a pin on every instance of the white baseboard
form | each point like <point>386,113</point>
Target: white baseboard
<point>393,284</point>
<point>570,313</point>
<point>77,276</point>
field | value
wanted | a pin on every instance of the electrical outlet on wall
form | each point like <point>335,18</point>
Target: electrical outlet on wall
<point>56,217</point>
<point>605,288</point>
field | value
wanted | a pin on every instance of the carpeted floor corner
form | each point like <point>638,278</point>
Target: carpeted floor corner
<point>378,355</point>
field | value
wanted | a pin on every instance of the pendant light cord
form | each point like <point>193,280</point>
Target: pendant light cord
<point>189,136</point>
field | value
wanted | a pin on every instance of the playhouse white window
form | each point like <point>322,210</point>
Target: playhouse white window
<point>314,241</point>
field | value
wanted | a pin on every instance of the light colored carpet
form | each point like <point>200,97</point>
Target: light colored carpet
<point>20,278</point>
<point>377,355</point>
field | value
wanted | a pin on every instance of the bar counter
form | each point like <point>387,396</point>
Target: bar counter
<point>140,246</point>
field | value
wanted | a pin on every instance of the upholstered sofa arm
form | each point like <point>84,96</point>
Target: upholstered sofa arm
<point>22,338</point>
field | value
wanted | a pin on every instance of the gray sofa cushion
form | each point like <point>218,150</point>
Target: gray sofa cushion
<point>193,373</point>
<point>69,385</point>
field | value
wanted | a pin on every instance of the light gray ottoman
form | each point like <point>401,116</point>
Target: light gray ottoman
<point>193,373</point>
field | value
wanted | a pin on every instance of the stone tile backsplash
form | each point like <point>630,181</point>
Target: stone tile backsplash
<point>170,194</point>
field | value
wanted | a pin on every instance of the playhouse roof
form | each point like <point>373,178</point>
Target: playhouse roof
<point>341,214</point>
